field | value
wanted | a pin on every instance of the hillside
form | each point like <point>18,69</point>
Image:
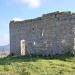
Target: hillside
<point>5,48</point>
<point>63,65</point>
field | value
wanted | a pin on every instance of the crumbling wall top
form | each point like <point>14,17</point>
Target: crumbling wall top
<point>56,14</point>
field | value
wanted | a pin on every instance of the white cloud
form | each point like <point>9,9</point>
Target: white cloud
<point>17,19</point>
<point>32,3</point>
<point>29,3</point>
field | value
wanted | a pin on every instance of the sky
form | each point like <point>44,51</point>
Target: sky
<point>27,9</point>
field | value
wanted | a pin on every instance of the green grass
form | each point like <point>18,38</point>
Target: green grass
<point>57,65</point>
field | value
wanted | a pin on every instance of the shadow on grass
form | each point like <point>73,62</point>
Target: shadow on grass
<point>9,60</point>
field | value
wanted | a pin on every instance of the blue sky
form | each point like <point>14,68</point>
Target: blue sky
<point>25,9</point>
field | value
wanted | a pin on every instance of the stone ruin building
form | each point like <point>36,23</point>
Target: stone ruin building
<point>53,33</point>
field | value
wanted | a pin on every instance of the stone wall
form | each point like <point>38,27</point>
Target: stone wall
<point>50,34</point>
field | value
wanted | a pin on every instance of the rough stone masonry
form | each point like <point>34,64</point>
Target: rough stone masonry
<point>53,33</point>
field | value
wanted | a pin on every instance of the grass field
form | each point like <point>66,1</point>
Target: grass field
<point>57,65</point>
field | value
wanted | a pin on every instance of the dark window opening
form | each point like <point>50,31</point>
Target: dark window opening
<point>12,54</point>
<point>32,28</point>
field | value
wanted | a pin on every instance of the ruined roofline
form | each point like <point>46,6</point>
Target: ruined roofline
<point>46,15</point>
<point>28,20</point>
